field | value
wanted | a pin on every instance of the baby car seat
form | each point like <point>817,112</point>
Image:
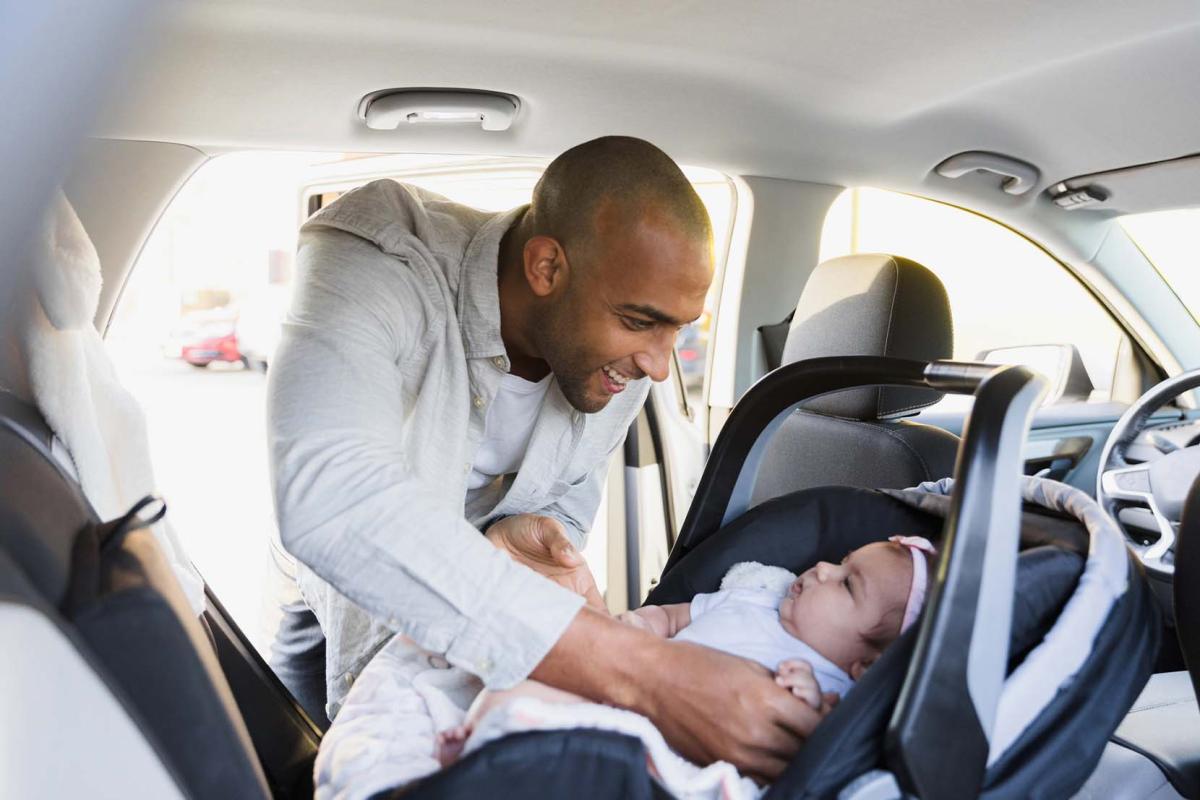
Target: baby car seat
<point>947,711</point>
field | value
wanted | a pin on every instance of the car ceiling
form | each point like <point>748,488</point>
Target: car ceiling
<point>868,92</point>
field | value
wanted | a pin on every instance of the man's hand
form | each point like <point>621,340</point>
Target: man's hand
<point>709,705</point>
<point>639,621</point>
<point>541,544</point>
<point>716,706</point>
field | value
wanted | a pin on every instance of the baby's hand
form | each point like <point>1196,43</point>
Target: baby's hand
<point>450,743</point>
<point>798,676</point>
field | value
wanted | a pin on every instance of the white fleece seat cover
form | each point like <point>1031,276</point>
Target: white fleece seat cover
<point>76,388</point>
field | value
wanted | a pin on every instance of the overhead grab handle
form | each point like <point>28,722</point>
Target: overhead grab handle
<point>1021,176</point>
<point>392,108</point>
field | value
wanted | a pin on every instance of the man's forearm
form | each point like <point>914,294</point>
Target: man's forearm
<point>603,660</point>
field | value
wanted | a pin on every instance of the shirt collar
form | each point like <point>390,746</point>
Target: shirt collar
<point>479,292</point>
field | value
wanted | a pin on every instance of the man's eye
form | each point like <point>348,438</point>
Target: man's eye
<point>635,324</point>
<point>846,583</point>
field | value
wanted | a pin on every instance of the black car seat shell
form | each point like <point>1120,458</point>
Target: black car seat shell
<point>864,305</point>
<point>823,523</point>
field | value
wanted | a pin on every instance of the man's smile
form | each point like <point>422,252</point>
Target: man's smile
<point>614,381</point>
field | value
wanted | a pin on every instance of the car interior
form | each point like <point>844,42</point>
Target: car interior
<point>950,242</point>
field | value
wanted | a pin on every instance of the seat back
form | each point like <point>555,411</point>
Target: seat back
<point>863,305</point>
<point>110,589</point>
<point>1186,586</point>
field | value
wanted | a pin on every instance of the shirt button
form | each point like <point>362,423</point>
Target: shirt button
<point>437,662</point>
<point>467,467</point>
<point>485,665</point>
<point>349,679</point>
<point>478,401</point>
<point>499,361</point>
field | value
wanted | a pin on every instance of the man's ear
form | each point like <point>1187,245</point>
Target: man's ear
<point>546,266</point>
<point>859,667</point>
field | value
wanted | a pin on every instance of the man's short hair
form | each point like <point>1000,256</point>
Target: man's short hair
<point>632,172</point>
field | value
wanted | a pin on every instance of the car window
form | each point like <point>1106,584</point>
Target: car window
<point>199,318</point>
<point>1171,241</point>
<point>692,346</point>
<point>1008,297</point>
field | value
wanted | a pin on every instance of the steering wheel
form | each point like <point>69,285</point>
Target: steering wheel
<point>1158,486</point>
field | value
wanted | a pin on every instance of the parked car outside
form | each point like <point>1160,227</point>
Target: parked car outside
<point>204,337</point>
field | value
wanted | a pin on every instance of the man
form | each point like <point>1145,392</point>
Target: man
<point>446,371</point>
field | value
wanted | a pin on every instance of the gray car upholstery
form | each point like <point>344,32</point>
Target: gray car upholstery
<point>1153,754</point>
<point>864,305</point>
<point>1164,726</point>
<point>1124,774</point>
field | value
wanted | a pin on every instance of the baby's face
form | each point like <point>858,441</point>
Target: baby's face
<point>838,608</point>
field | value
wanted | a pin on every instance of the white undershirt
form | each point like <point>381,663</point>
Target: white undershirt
<point>508,429</point>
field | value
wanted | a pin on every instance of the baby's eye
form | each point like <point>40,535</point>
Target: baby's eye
<point>846,583</point>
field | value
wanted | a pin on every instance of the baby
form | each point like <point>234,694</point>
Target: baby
<point>834,621</point>
<point>818,638</point>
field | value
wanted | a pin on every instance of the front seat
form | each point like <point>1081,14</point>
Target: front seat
<point>863,305</point>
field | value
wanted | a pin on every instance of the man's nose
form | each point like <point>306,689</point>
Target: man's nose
<point>655,361</point>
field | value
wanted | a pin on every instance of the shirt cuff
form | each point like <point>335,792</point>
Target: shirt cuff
<point>574,533</point>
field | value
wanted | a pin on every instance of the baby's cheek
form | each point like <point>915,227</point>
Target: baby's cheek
<point>794,614</point>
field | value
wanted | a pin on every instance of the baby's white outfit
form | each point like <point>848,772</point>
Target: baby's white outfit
<point>745,622</point>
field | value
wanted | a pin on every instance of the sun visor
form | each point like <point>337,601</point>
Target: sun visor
<point>1174,183</point>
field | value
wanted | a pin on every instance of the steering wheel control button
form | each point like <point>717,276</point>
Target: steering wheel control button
<point>1138,481</point>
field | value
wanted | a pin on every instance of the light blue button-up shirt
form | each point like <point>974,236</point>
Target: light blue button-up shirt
<point>377,401</point>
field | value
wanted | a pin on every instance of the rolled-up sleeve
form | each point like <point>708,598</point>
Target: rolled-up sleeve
<point>349,500</point>
<point>576,509</point>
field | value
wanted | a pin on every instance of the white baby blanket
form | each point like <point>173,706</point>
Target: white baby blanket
<point>386,732</point>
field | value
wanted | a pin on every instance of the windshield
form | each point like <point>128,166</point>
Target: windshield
<point>1171,240</point>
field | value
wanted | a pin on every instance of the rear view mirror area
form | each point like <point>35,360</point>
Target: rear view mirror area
<point>1060,364</point>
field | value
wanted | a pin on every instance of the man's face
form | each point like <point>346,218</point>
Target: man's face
<point>626,298</point>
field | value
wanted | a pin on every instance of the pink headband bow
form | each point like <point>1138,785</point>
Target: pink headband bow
<point>920,582</point>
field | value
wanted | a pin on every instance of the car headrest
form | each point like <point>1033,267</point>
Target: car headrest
<point>872,305</point>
